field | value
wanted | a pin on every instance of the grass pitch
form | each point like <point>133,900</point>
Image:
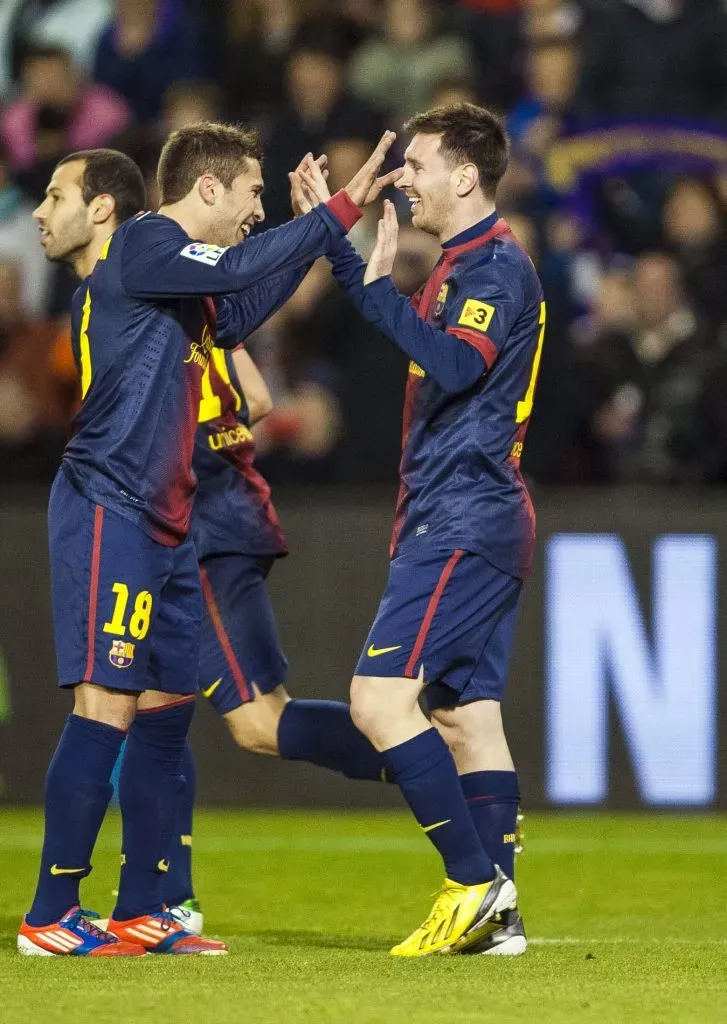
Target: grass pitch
<point>626,915</point>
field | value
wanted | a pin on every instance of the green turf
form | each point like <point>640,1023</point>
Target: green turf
<point>627,915</point>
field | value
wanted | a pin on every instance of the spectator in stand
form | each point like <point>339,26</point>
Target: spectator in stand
<point>551,19</point>
<point>19,243</point>
<point>57,111</point>
<point>493,28</point>
<point>654,59</point>
<point>320,109</point>
<point>644,376</point>
<point>451,90</point>
<point>148,46</point>
<point>187,102</point>
<point>72,25</point>
<point>32,416</point>
<point>694,224</point>
<point>395,71</point>
<point>551,80</point>
<point>297,440</point>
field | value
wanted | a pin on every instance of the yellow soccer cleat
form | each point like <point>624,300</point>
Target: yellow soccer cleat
<point>460,914</point>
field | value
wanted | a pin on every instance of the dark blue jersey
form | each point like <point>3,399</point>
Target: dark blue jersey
<point>232,511</point>
<point>143,326</point>
<point>474,333</point>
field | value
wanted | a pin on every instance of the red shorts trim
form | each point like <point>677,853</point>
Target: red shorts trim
<point>222,636</point>
<point>93,592</point>
<point>430,612</point>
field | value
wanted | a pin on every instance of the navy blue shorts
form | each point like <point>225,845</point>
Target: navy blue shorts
<point>452,613</point>
<point>240,644</point>
<point>126,610</point>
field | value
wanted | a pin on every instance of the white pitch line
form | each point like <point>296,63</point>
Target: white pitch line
<point>624,941</point>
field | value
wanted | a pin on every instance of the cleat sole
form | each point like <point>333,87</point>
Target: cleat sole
<point>28,948</point>
<point>514,946</point>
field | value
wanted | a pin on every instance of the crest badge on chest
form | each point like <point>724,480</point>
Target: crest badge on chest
<point>441,299</point>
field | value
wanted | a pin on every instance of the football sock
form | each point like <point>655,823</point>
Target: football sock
<point>150,783</point>
<point>177,882</point>
<point>424,770</point>
<point>322,732</point>
<point>77,793</point>
<point>493,798</point>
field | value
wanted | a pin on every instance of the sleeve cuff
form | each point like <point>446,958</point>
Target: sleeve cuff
<point>344,209</point>
<point>480,342</point>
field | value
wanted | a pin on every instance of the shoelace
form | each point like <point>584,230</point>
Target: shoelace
<point>438,910</point>
<point>83,919</point>
<point>170,917</point>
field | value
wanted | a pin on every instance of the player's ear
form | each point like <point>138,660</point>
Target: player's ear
<point>103,208</point>
<point>208,187</point>
<point>466,179</point>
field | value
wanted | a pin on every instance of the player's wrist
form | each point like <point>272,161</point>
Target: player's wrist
<point>344,209</point>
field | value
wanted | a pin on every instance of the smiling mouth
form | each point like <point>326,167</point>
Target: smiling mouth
<point>246,229</point>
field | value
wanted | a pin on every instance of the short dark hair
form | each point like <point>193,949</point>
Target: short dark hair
<point>109,172</point>
<point>205,148</point>
<point>470,134</point>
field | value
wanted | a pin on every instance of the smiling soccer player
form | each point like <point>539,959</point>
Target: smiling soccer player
<point>464,528</point>
<point>158,292</point>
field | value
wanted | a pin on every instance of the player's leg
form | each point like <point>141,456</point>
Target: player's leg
<point>151,779</point>
<point>243,669</point>
<point>85,545</point>
<point>470,720</point>
<point>421,623</point>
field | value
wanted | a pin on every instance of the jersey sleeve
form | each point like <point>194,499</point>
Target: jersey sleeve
<point>454,366</point>
<point>160,261</point>
<point>241,313</point>
<point>489,300</point>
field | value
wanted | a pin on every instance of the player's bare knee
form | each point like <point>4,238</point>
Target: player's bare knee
<point>112,707</point>
<point>254,726</point>
<point>378,704</point>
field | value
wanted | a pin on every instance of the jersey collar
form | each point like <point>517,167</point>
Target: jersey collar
<point>475,236</point>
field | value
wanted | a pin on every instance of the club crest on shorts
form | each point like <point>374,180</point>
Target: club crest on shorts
<point>121,655</point>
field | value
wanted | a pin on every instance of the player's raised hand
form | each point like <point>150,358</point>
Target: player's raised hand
<point>365,186</point>
<point>382,258</point>
<point>301,198</point>
<point>313,178</point>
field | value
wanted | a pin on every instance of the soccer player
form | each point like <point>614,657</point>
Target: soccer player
<point>242,667</point>
<point>158,292</point>
<point>464,527</point>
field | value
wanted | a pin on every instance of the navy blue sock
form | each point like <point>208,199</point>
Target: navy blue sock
<point>77,793</point>
<point>150,783</point>
<point>322,732</point>
<point>493,799</point>
<point>425,772</point>
<point>177,882</point>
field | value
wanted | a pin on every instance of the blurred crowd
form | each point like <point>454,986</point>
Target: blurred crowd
<point>617,111</point>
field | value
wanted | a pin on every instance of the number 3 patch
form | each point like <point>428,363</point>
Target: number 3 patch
<point>476,314</point>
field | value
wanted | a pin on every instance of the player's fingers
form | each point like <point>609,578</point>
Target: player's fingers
<point>322,161</point>
<point>382,148</point>
<point>390,178</point>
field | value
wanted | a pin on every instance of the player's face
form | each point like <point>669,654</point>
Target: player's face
<point>428,182</point>
<point>65,221</point>
<point>240,207</point>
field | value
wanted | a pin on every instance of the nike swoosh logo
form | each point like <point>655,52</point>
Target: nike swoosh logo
<point>437,824</point>
<point>55,870</point>
<point>374,652</point>
<point>163,865</point>
<point>211,689</point>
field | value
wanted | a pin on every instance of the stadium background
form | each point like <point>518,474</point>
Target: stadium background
<point>618,188</point>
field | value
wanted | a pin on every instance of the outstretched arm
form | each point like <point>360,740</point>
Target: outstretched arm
<point>453,363</point>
